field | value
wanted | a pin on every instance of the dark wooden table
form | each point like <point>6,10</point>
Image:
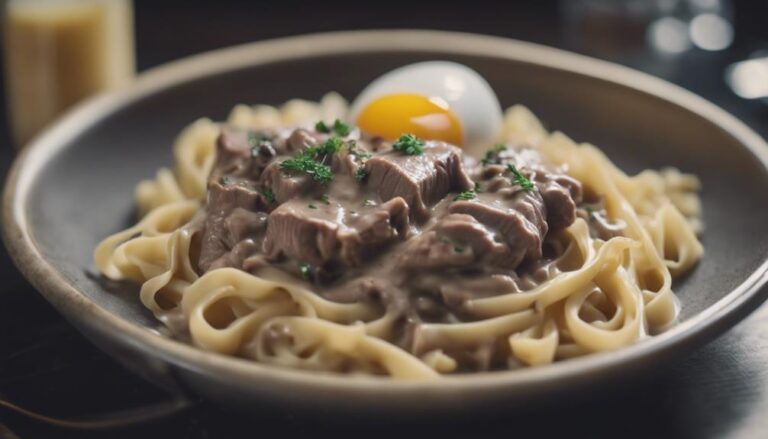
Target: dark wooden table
<point>720,390</point>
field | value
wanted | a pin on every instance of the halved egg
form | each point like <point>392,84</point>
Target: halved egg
<point>436,100</point>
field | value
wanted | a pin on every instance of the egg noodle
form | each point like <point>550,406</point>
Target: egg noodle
<point>608,294</point>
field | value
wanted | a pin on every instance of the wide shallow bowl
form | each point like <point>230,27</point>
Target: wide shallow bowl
<point>73,186</point>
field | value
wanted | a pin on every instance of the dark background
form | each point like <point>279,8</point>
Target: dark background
<point>722,389</point>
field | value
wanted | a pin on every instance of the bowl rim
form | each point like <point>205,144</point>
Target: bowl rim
<point>69,300</point>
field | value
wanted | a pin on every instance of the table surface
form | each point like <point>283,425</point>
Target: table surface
<point>720,390</point>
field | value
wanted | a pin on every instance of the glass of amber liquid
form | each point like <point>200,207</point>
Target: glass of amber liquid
<point>58,52</point>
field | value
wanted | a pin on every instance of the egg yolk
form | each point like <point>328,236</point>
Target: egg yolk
<point>390,116</point>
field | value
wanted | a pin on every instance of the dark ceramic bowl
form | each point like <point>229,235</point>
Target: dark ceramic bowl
<point>73,186</point>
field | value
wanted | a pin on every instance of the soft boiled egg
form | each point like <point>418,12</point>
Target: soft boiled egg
<point>435,100</point>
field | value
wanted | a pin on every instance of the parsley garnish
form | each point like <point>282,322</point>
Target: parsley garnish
<point>590,211</point>
<point>492,154</point>
<point>305,161</point>
<point>466,195</point>
<point>307,164</point>
<point>477,187</point>
<point>226,180</point>
<point>368,202</point>
<point>519,179</point>
<point>268,195</point>
<point>409,145</point>
<point>312,206</point>
<point>360,174</point>
<point>458,249</point>
<point>324,199</point>
<point>329,146</point>
<point>341,128</point>
<point>306,270</point>
<point>359,153</point>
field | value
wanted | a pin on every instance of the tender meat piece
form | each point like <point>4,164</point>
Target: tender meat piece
<point>285,186</point>
<point>242,153</point>
<point>299,140</point>
<point>233,214</point>
<point>456,241</point>
<point>421,180</point>
<point>516,217</point>
<point>329,237</point>
<point>560,194</point>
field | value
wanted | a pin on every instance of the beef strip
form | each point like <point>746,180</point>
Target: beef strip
<point>330,237</point>
<point>421,180</point>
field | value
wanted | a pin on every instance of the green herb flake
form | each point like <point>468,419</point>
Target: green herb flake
<point>458,249</point>
<point>306,270</point>
<point>590,211</point>
<point>341,128</point>
<point>312,206</point>
<point>466,195</point>
<point>324,199</point>
<point>225,180</point>
<point>360,174</point>
<point>368,202</point>
<point>491,155</point>
<point>519,179</point>
<point>303,163</point>
<point>268,195</point>
<point>359,153</point>
<point>409,144</point>
<point>477,187</point>
<point>330,146</point>
<point>321,127</point>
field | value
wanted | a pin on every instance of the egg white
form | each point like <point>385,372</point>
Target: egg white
<point>468,95</point>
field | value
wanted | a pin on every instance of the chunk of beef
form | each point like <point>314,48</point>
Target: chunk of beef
<point>242,153</point>
<point>233,215</point>
<point>560,194</point>
<point>517,217</point>
<point>455,241</point>
<point>421,180</point>
<point>284,186</point>
<point>329,237</point>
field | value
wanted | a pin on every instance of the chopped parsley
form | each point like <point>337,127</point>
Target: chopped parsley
<point>466,195</point>
<point>477,187</point>
<point>268,195</point>
<point>307,164</point>
<point>329,146</point>
<point>492,154</point>
<point>519,179</point>
<point>590,211</point>
<point>306,161</point>
<point>225,180</point>
<point>306,270</point>
<point>359,153</point>
<point>368,202</point>
<point>458,249</point>
<point>360,174</point>
<point>339,128</point>
<point>312,206</point>
<point>409,144</point>
<point>324,199</point>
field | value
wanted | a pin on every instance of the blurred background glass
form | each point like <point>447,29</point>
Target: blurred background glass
<point>60,51</point>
